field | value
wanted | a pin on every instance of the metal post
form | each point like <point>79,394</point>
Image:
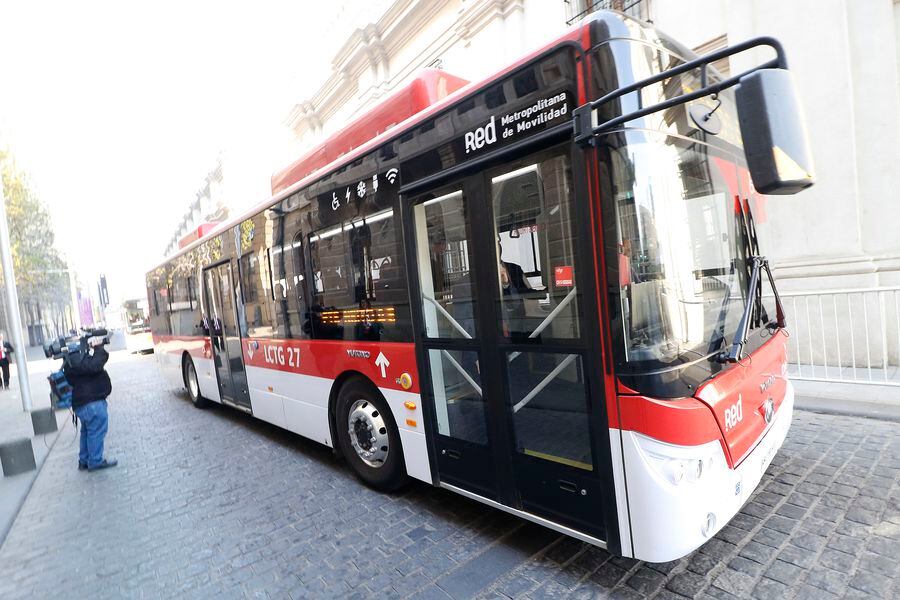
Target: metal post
<point>14,320</point>
<point>73,292</point>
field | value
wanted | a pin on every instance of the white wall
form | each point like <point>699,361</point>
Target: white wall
<point>844,56</point>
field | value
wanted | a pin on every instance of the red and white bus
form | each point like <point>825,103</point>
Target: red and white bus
<point>543,291</point>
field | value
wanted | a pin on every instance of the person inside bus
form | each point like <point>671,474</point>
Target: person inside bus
<point>5,350</point>
<point>514,286</point>
<point>86,373</point>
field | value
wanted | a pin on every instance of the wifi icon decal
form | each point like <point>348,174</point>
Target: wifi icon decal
<point>391,175</point>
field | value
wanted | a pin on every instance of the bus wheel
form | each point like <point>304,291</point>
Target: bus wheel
<point>193,384</point>
<point>368,436</point>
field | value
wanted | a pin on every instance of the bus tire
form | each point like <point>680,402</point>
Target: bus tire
<point>192,384</point>
<point>368,437</point>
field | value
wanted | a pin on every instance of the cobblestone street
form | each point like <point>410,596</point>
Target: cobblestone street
<point>215,504</point>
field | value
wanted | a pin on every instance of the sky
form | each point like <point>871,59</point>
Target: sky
<point>116,111</point>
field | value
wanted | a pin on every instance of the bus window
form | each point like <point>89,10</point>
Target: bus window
<point>254,286</point>
<point>297,312</point>
<point>280,229</point>
<point>445,278</point>
<point>327,255</point>
<point>533,225</point>
<point>357,282</point>
<point>181,316</point>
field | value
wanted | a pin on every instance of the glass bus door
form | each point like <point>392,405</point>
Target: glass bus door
<point>452,339</point>
<point>223,330</point>
<point>509,368</point>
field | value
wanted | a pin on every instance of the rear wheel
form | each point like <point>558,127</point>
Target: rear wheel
<point>368,436</point>
<point>193,384</point>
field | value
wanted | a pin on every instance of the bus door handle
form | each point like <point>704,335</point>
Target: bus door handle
<point>568,486</point>
<point>451,453</point>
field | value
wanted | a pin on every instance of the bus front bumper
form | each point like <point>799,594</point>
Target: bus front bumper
<point>679,497</point>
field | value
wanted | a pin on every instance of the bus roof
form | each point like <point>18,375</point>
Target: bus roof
<point>428,86</point>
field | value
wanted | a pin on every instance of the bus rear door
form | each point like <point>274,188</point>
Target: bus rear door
<point>221,302</point>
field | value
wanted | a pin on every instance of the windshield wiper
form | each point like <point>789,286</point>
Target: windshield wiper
<point>754,300</point>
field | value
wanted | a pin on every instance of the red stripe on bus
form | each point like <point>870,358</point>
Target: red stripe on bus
<point>318,358</point>
<point>197,346</point>
<point>383,362</point>
<point>684,421</point>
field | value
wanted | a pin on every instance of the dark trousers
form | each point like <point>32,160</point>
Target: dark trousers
<point>4,365</point>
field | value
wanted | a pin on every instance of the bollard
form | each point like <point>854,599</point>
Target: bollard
<point>43,421</point>
<point>17,457</point>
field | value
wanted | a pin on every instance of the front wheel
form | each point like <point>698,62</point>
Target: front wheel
<point>368,436</point>
<point>193,384</point>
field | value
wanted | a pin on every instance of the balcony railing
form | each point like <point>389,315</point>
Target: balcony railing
<point>639,9</point>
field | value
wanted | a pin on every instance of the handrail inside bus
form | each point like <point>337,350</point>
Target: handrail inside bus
<point>448,316</point>
<point>583,116</point>
<point>462,372</point>
<point>547,320</point>
<point>544,383</point>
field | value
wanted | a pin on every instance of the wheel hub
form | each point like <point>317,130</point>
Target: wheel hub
<point>368,433</point>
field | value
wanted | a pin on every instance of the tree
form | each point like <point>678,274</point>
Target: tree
<point>33,245</point>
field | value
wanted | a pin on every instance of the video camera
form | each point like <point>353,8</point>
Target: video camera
<point>74,344</point>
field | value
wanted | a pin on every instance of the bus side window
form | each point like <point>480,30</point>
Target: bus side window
<point>358,284</point>
<point>159,309</point>
<point>328,262</point>
<point>257,307</point>
<point>297,307</point>
<point>181,316</point>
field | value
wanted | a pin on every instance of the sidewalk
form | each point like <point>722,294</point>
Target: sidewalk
<point>16,424</point>
<point>853,399</point>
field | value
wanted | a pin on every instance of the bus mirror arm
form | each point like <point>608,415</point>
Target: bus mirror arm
<point>585,127</point>
<point>753,298</point>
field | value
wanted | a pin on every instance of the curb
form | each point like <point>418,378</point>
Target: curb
<point>15,514</point>
<point>849,408</point>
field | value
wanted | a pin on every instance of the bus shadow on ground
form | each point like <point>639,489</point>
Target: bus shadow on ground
<point>521,539</point>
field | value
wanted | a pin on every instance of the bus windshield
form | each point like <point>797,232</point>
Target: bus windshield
<point>681,248</point>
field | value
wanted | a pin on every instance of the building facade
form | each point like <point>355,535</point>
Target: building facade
<point>845,57</point>
<point>209,206</point>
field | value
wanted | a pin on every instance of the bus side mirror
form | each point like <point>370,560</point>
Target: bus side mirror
<point>774,133</point>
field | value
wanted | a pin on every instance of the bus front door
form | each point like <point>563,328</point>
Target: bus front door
<point>507,365</point>
<point>221,300</point>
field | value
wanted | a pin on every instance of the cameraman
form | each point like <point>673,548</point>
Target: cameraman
<point>90,388</point>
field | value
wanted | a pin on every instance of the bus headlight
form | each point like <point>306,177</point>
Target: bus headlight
<point>681,465</point>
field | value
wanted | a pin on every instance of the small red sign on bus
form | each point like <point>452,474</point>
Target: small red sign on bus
<point>563,276</point>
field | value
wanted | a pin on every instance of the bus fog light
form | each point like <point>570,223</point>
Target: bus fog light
<point>709,525</point>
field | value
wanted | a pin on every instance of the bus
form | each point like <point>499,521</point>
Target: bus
<point>543,291</point>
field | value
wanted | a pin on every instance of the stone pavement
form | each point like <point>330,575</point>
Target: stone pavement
<point>215,504</point>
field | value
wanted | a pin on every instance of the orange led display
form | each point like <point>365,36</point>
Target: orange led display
<point>353,316</point>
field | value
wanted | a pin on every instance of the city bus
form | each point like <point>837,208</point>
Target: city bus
<point>543,291</point>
